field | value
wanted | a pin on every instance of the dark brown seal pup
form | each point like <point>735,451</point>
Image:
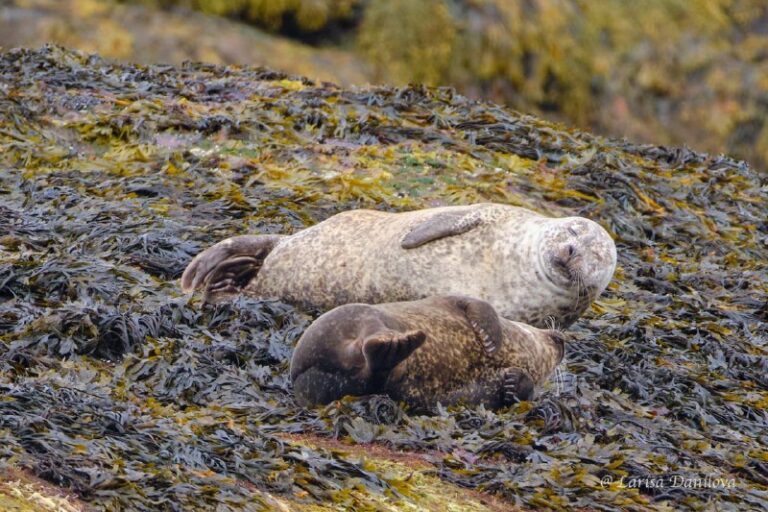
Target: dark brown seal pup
<point>529,267</point>
<point>450,349</point>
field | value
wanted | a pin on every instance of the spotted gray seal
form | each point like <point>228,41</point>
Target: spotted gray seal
<point>528,266</point>
<point>449,349</point>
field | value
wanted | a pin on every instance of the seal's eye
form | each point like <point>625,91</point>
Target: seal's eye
<point>572,231</point>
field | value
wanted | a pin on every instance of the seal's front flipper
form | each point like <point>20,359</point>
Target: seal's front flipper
<point>385,350</point>
<point>229,265</point>
<point>484,321</point>
<point>516,386</point>
<point>498,389</point>
<point>441,225</point>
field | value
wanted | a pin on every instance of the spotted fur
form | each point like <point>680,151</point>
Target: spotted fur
<point>440,349</point>
<point>531,268</point>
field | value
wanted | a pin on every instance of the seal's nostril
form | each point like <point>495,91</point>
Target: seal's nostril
<point>571,251</point>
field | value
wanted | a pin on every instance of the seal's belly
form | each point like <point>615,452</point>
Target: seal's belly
<point>357,257</point>
<point>327,265</point>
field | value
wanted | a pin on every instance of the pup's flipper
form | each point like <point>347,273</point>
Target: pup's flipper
<point>484,321</point>
<point>386,349</point>
<point>517,386</point>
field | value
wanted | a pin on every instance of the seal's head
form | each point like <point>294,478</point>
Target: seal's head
<point>578,255</point>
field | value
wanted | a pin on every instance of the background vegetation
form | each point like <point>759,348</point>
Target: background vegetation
<point>694,69</point>
<point>683,72</point>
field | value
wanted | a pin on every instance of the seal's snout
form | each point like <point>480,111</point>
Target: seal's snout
<point>565,261</point>
<point>569,254</point>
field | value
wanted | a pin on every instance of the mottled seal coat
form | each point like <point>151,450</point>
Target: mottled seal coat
<point>529,267</point>
<point>449,349</point>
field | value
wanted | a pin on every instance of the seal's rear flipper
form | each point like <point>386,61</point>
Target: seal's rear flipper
<point>516,386</point>
<point>441,225</point>
<point>385,350</point>
<point>484,321</point>
<point>229,265</point>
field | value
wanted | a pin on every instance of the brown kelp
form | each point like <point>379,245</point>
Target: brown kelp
<point>114,385</point>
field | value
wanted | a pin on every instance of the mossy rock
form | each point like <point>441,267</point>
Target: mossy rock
<point>147,34</point>
<point>665,72</point>
<point>307,16</point>
<point>409,41</point>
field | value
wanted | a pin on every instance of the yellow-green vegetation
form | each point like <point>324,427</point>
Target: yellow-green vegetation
<point>530,50</point>
<point>21,493</point>
<point>667,71</point>
<point>115,386</point>
<point>670,71</point>
<point>308,15</point>
<point>409,41</point>
<point>134,33</point>
<point>412,476</point>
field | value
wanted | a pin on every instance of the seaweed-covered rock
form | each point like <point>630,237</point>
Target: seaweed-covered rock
<point>667,71</point>
<point>113,385</point>
<point>155,33</point>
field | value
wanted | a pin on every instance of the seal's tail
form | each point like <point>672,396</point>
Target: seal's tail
<point>227,267</point>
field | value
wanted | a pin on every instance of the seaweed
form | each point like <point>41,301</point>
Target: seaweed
<point>667,71</point>
<point>115,386</point>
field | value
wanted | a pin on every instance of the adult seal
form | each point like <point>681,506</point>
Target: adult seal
<point>529,267</point>
<point>449,349</point>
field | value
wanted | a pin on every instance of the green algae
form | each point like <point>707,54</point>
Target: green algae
<point>664,71</point>
<point>114,385</point>
<point>408,41</point>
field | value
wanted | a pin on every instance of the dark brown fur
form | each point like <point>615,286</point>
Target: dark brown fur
<point>448,349</point>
